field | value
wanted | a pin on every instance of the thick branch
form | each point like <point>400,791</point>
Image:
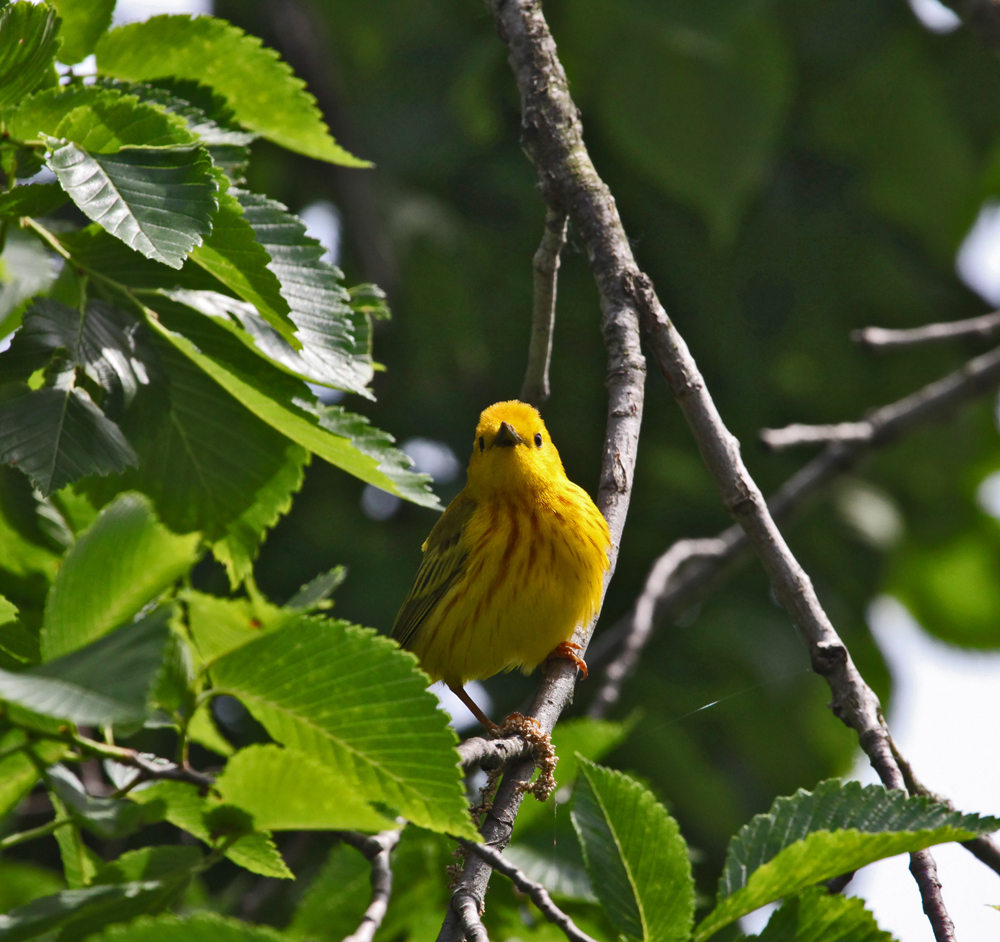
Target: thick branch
<point>539,895</point>
<point>543,313</point>
<point>377,850</point>
<point>880,338</point>
<point>465,908</point>
<point>490,754</point>
<point>697,577</point>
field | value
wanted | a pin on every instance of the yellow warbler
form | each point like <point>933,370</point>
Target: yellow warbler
<point>513,565</point>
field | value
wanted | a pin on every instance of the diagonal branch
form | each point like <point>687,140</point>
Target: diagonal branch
<point>881,338</point>
<point>539,895</point>
<point>791,436</point>
<point>377,850</point>
<point>543,313</point>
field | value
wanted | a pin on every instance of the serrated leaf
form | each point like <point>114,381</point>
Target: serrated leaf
<point>352,700</point>
<point>220,625</point>
<point>208,463</point>
<point>814,836</point>
<point>336,899</point>
<point>262,90</point>
<point>28,45</point>
<point>316,591</point>
<point>40,113</point>
<point>59,435</point>
<point>818,916</point>
<point>636,858</point>
<point>83,22</point>
<point>233,255</point>
<point>342,438</point>
<point>157,200</point>
<point>32,199</point>
<point>106,682</point>
<point>203,730</point>
<point>288,790</point>
<point>79,912</point>
<point>113,121</point>
<point>194,927</point>
<point>123,561</point>
<point>336,341</point>
<point>181,805</point>
<point>105,817</point>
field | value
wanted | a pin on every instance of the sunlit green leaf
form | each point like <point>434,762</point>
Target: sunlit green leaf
<point>819,916</point>
<point>20,883</point>
<point>194,927</point>
<point>32,199</point>
<point>28,45</point>
<point>83,22</point>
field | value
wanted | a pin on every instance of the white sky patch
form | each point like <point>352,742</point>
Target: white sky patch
<point>978,260</point>
<point>461,716</point>
<point>945,716</point>
<point>323,223</point>
<point>935,16</point>
<point>132,11</point>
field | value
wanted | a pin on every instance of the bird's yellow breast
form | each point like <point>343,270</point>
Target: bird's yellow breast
<point>532,571</point>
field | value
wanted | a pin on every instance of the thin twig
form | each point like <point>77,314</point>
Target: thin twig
<point>539,895</point>
<point>465,907</point>
<point>11,840</point>
<point>151,767</point>
<point>924,871</point>
<point>543,313</point>
<point>777,439</point>
<point>881,338</point>
<point>377,850</point>
<point>888,423</point>
<point>642,618</point>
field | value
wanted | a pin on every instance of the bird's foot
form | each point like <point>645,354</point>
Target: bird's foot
<point>568,651</point>
<point>529,729</point>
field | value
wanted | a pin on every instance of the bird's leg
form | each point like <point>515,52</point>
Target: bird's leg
<point>568,650</point>
<point>488,724</point>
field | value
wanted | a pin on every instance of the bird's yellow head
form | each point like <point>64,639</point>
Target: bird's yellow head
<point>512,450</point>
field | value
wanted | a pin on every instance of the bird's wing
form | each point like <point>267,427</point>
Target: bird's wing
<point>445,556</point>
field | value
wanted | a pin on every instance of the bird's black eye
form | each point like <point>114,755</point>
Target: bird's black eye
<point>482,443</point>
<point>538,439</point>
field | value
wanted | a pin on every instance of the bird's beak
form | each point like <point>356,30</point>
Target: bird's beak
<point>506,436</point>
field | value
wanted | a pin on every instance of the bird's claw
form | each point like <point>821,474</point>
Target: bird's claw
<point>568,651</point>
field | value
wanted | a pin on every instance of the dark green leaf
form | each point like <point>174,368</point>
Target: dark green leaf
<point>636,858</point>
<point>18,772</point>
<point>562,877</point>
<point>336,899</point>
<point>58,435</point>
<point>149,863</point>
<point>28,45</point>
<point>83,22</point>
<point>262,90</point>
<point>20,883</point>
<point>181,805</point>
<point>818,916</point>
<point>342,438</point>
<point>105,683</point>
<point>288,790</point>
<point>32,199</point>
<point>80,863</point>
<point>122,562</point>
<point>105,817</point>
<point>814,836</point>
<point>310,681</point>
<point>157,200</point>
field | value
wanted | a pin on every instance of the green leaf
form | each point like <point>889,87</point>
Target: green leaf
<point>563,878</point>
<point>315,593</point>
<point>818,916</point>
<point>336,340</point>
<point>157,200</point>
<point>636,858</point>
<point>105,817</point>
<point>288,790</point>
<point>28,44</point>
<point>106,682</point>
<point>202,730</point>
<point>79,912</point>
<point>149,863</point>
<point>83,22</point>
<point>208,463</point>
<point>352,700</point>
<point>20,883</point>
<point>342,438</point>
<point>125,559</point>
<point>80,863</point>
<point>336,899</point>
<point>262,90</point>
<point>18,772</point>
<point>114,120</point>
<point>99,340</point>
<point>814,836</point>
<point>181,805</point>
<point>234,256</point>
<point>39,114</point>
<point>220,625</point>
<point>32,199</point>
<point>57,435</point>
<point>195,927</point>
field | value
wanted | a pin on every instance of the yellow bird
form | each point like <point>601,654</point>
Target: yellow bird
<point>513,565</point>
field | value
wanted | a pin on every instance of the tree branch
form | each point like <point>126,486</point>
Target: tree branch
<point>490,754</point>
<point>695,579</point>
<point>778,439</point>
<point>465,907</point>
<point>377,850</point>
<point>539,895</point>
<point>543,313</point>
<point>150,767</point>
<point>881,338</point>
